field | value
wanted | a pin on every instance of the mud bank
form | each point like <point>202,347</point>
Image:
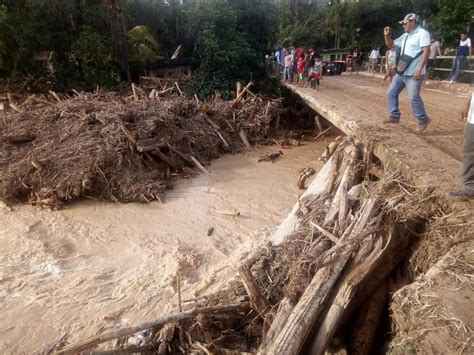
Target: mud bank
<point>97,265</point>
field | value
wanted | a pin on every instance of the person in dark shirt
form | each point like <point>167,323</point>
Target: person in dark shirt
<point>464,50</point>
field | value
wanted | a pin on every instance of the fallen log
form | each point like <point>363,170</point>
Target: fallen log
<point>156,323</point>
<point>313,301</point>
<point>257,299</point>
<point>148,145</point>
<point>183,156</point>
<point>346,183</point>
<point>131,138</point>
<point>360,282</point>
<point>244,139</point>
<point>21,138</point>
<point>284,310</point>
<point>199,165</point>
<point>171,162</point>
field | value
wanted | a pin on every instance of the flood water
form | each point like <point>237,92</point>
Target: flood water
<point>96,266</point>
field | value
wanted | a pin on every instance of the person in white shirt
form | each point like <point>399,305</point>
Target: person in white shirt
<point>373,59</point>
<point>464,50</point>
<point>414,46</point>
<point>467,190</point>
<point>434,52</point>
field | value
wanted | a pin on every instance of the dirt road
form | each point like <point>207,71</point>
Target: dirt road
<point>358,104</point>
<point>94,266</point>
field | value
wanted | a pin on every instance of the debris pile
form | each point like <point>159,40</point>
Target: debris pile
<point>56,148</point>
<point>324,276</point>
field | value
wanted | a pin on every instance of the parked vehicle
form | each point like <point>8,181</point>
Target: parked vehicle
<point>334,67</point>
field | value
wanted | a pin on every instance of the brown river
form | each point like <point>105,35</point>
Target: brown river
<point>97,266</point>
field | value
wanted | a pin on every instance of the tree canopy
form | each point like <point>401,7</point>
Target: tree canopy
<point>84,43</point>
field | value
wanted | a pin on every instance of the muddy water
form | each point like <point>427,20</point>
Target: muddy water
<point>95,266</point>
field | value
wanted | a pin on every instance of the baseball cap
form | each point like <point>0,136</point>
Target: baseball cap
<point>408,18</point>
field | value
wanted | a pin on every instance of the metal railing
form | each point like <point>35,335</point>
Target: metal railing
<point>469,63</point>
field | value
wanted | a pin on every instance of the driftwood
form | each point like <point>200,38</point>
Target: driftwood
<point>122,332</point>
<point>270,156</point>
<point>180,154</point>
<point>257,300</point>
<point>241,94</point>
<point>177,87</point>
<point>243,136</point>
<point>129,349</point>
<point>313,301</point>
<point>238,89</point>
<point>178,166</point>
<point>58,99</point>
<point>317,120</point>
<point>20,139</point>
<point>284,310</point>
<point>360,282</point>
<point>199,165</point>
<point>148,145</point>
<point>228,213</point>
<point>305,173</point>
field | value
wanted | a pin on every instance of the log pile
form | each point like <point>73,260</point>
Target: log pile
<point>55,148</point>
<point>330,271</point>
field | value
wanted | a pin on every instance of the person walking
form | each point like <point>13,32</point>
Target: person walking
<point>464,49</point>
<point>415,50</point>
<point>467,190</point>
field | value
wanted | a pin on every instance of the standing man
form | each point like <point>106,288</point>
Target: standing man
<point>464,50</point>
<point>467,190</point>
<point>288,62</point>
<point>415,51</point>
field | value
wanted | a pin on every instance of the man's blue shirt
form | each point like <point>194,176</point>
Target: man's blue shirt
<point>417,39</point>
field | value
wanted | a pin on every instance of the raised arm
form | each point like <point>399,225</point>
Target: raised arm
<point>388,40</point>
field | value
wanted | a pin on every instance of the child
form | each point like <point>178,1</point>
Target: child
<point>300,69</point>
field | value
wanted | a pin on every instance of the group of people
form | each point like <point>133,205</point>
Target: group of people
<point>300,67</point>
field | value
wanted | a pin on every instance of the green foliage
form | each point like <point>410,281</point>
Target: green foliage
<point>73,43</point>
<point>143,48</point>
<point>93,54</point>
<point>227,46</point>
<point>454,16</point>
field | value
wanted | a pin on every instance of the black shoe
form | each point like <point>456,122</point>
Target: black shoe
<point>422,126</point>
<point>391,119</point>
<point>460,195</point>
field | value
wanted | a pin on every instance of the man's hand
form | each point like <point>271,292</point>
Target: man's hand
<point>386,31</point>
<point>417,75</point>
